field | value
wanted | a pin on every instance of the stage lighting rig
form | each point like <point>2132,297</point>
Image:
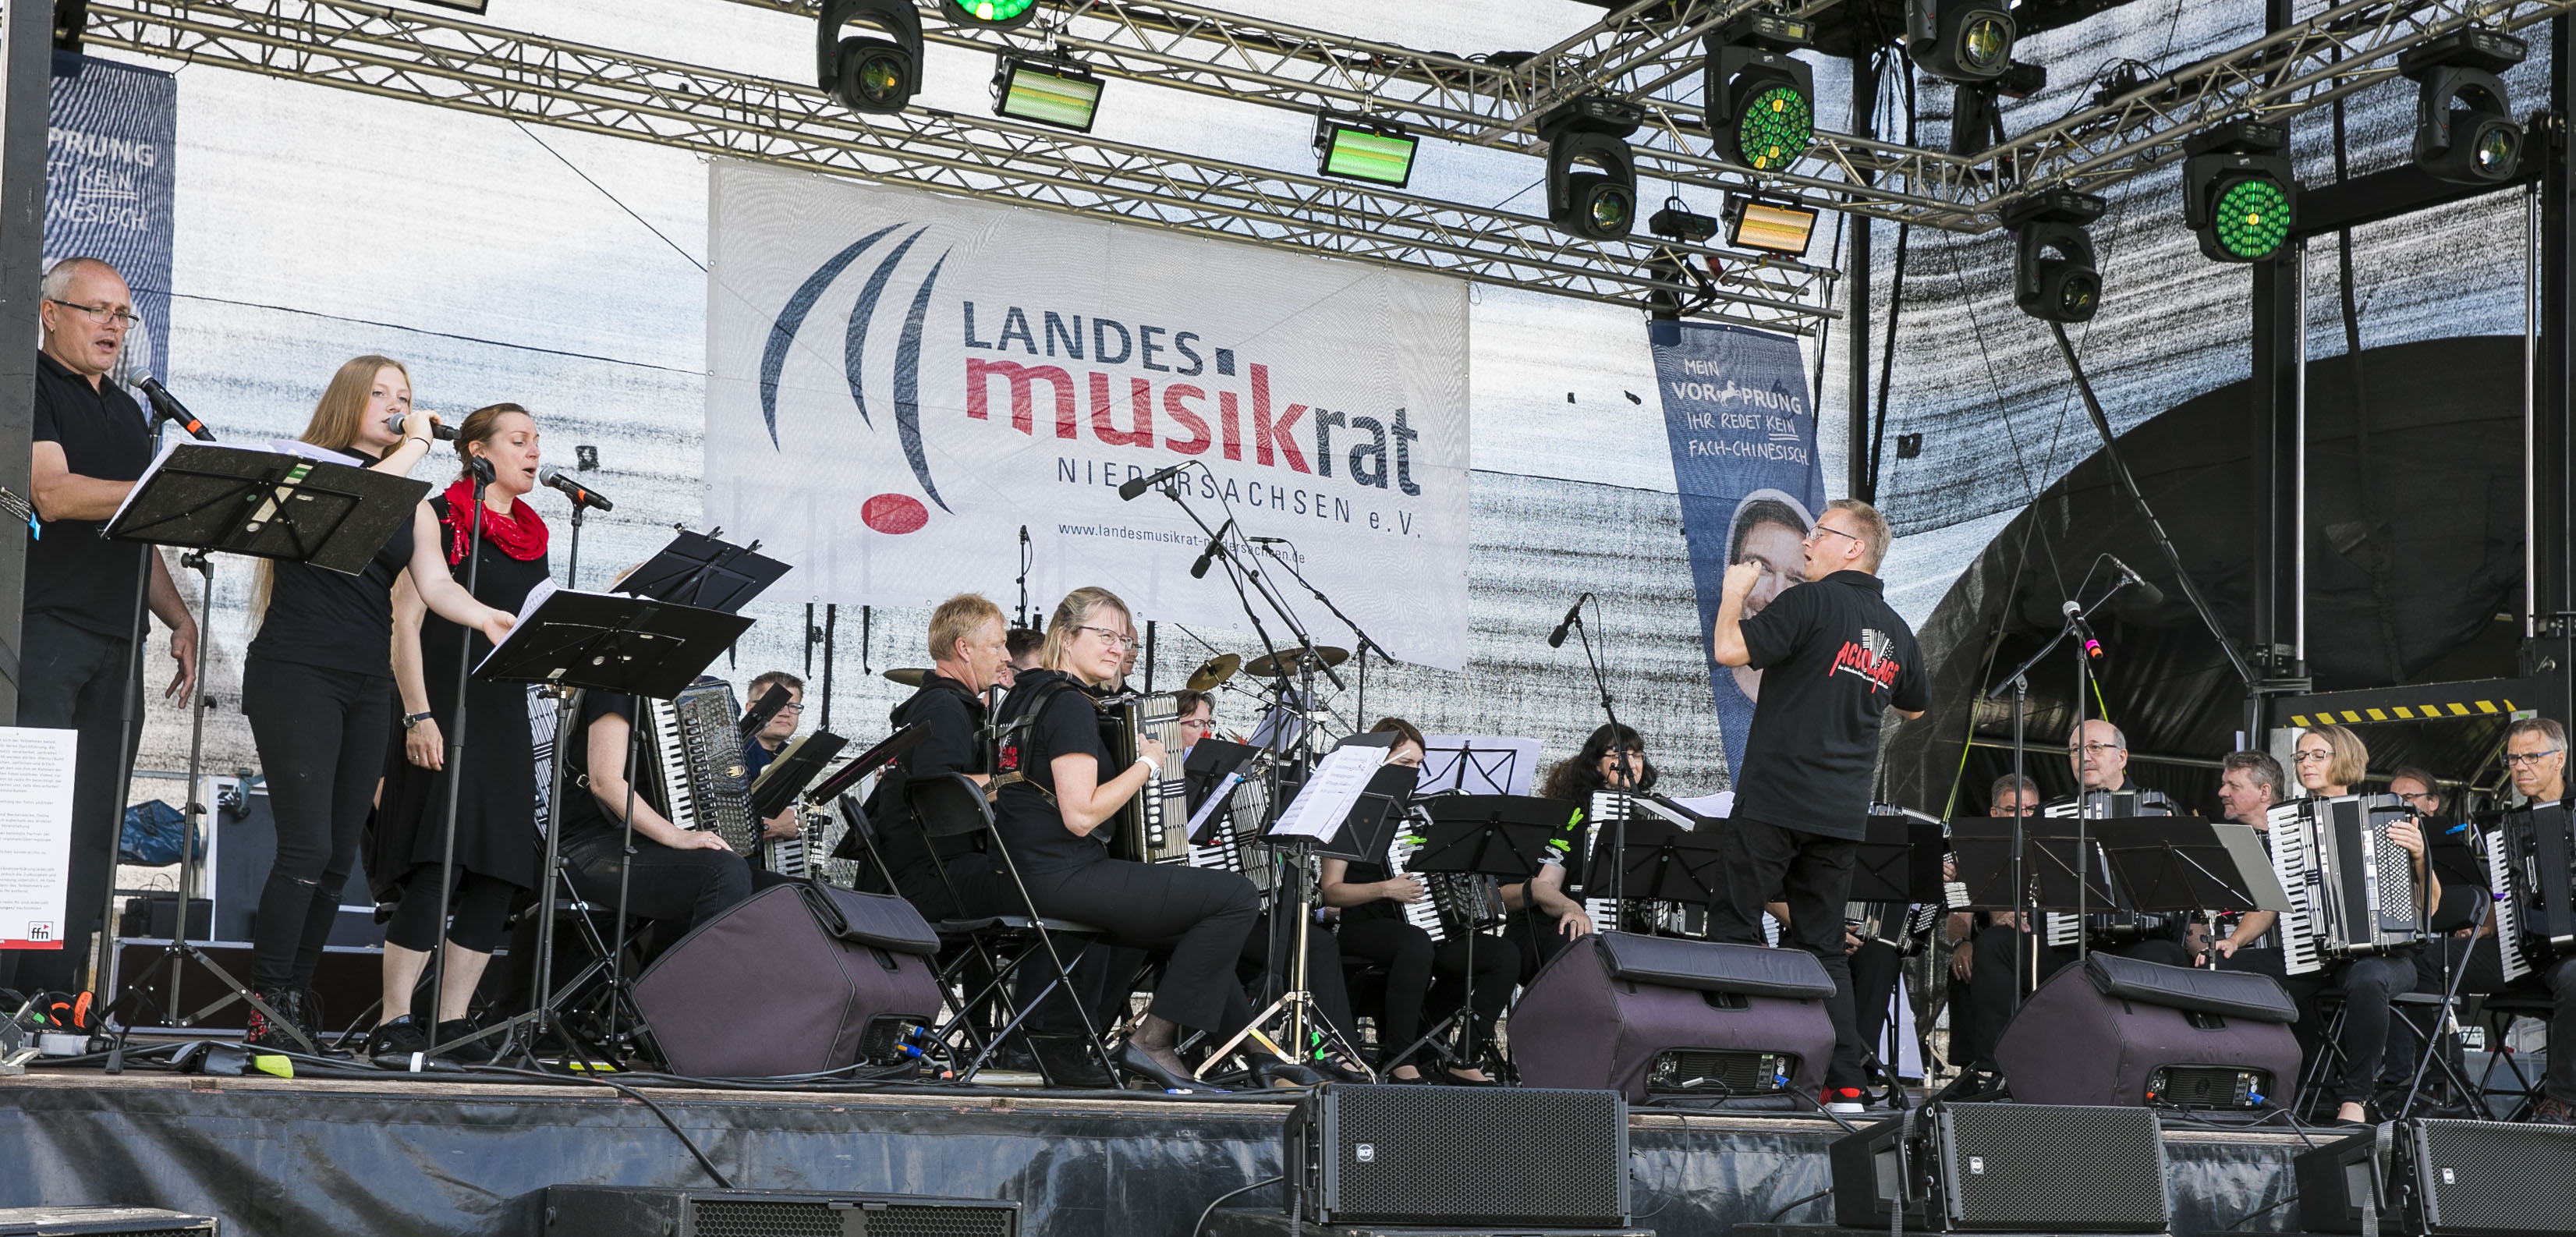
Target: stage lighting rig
<point>2054,276</point>
<point>1761,101</point>
<point>990,14</point>
<point>1960,40</point>
<point>1771,227</point>
<point>2238,192</point>
<point>2464,129</point>
<point>1599,202</point>
<point>1359,148</point>
<point>869,73</point>
<point>1676,222</point>
<point>1045,91</point>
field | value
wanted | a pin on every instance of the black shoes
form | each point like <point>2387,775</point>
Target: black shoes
<point>398,1037</point>
<point>280,1034</point>
<point>1134,1062</point>
<point>1274,1072</point>
<point>2554,1112</point>
<point>475,1053</point>
<point>1066,1061</point>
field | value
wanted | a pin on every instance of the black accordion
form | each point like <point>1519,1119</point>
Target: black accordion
<point>2352,892</point>
<point>2531,864</point>
<point>693,761</point>
<point>1152,826</point>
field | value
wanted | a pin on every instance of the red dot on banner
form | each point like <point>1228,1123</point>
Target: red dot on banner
<point>894,513</point>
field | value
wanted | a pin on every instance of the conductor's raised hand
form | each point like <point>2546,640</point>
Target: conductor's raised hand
<point>1740,579</point>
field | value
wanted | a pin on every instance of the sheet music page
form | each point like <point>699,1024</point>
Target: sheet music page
<point>1216,799</point>
<point>1720,804</point>
<point>1330,793</point>
<point>527,609</point>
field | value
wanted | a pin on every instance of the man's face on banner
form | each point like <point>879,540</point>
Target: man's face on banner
<point>1781,552</point>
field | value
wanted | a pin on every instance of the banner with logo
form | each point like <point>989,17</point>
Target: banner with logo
<point>109,184</point>
<point>1743,437</point>
<point>901,382</point>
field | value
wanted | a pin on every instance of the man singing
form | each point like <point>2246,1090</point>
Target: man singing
<point>1844,659</point>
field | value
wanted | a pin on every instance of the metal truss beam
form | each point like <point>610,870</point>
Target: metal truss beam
<point>433,58</point>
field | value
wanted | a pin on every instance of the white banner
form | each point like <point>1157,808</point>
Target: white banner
<point>35,834</point>
<point>900,380</point>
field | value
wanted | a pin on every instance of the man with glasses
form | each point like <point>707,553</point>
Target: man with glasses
<point>765,744</point>
<point>2098,754</point>
<point>2535,758</point>
<point>77,653</point>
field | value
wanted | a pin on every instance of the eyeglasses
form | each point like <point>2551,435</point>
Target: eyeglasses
<point>1116,639</point>
<point>103,314</point>
<point>2311,756</point>
<point>1198,723</point>
<point>1811,534</point>
<point>791,707</point>
<point>2528,760</point>
<point>2095,749</point>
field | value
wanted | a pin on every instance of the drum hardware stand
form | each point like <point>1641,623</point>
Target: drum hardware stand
<point>1270,546</point>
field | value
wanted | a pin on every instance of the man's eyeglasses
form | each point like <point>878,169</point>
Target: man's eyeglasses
<point>1116,639</point>
<point>1811,534</point>
<point>791,707</point>
<point>104,315</point>
<point>2096,750</point>
<point>2528,760</point>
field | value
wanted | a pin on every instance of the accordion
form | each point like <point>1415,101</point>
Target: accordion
<point>2531,865</point>
<point>1647,916</point>
<point>1459,904</point>
<point>1153,825</point>
<point>2352,891</point>
<point>1235,844</point>
<point>2110,928</point>
<point>693,755</point>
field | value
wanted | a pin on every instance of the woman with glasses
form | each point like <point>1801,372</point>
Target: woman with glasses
<point>1051,820</point>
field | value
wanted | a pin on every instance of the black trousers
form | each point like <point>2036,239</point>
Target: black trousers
<point>1874,967</point>
<point>1428,979</point>
<point>70,678</point>
<point>321,736</point>
<point>2560,979</point>
<point>1196,918</point>
<point>684,887</point>
<point>1537,937</point>
<point>1813,872</point>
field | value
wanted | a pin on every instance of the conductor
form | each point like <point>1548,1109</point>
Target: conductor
<point>1836,659</point>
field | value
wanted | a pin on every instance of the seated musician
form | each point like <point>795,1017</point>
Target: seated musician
<point>2331,760</point>
<point>1548,909</point>
<point>765,745</point>
<point>2249,783</point>
<point>1050,820</point>
<point>1420,975</point>
<point>2098,754</point>
<point>2463,935</point>
<point>1981,956</point>
<point>2535,757</point>
<point>947,877</point>
<point>680,876</point>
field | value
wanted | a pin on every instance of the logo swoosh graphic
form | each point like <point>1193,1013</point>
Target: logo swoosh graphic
<point>907,382</point>
<point>862,314</point>
<point>782,333</point>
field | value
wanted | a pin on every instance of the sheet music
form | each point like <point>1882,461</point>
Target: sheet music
<point>1479,764</point>
<point>1216,799</point>
<point>527,609</point>
<point>1721,804</point>
<point>1330,793</point>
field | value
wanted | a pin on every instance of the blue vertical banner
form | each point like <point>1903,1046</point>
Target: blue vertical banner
<point>1743,435</point>
<point>110,181</point>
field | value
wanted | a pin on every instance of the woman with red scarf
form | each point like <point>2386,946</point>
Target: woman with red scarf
<point>496,831</point>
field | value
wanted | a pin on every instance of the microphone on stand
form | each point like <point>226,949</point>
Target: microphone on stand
<point>1128,491</point>
<point>166,406</point>
<point>2075,615</point>
<point>2148,594</point>
<point>581,495</point>
<point>1556,638</point>
<point>481,468</point>
<point>443,433</point>
<point>1198,570</point>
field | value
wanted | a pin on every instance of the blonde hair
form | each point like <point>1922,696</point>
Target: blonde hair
<point>1874,533</point>
<point>959,618</point>
<point>2351,759</point>
<point>336,421</point>
<point>1075,611</point>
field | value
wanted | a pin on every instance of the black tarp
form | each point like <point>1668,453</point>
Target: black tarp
<point>2414,551</point>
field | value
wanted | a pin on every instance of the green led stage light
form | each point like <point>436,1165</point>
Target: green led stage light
<point>2253,218</point>
<point>992,14</point>
<point>1358,149</point>
<point>1761,101</point>
<point>2238,191</point>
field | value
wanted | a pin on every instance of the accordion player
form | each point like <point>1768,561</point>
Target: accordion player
<point>2531,856</point>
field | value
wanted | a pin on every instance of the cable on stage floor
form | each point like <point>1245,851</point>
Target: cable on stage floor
<point>1201,1226</point>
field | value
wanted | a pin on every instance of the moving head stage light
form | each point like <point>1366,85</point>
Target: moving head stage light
<point>2464,128</point>
<point>2054,277</point>
<point>868,73</point>
<point>2237,190</point>
<point>1959,40</point>
<point>1599,202</point>
<point>1761,101</point>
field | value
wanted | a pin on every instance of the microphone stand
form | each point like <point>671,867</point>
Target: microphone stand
<point>1025,556</point>
<point>1366,645</point>
<point>572,565</point>
<point>481,470</point>
<point>1628,776</point>
<point>129,719</point>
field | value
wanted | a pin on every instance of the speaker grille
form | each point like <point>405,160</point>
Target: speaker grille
<point>741,1217</point>
<point>1463,1155</point>
<point>2050,1168</point>
<point>2488,1177</point>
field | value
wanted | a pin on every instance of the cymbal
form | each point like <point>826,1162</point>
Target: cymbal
<point>1214,671</point>
<point>909,676</point>
<point>1265,667</point>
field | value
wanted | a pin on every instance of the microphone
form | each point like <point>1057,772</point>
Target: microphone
<point>2075,615</point>
<point>394,425</point>
<point>1215,545</point>
<point>581,495</point>
<point>1128,491</point>
<point>166,407</point>
<point>1556,638</point>
<point>2148,594</point>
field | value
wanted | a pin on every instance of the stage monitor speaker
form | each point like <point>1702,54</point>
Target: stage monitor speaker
<point>2443,1179</point>
<point>796,979</point>
<point>2005,1168</point>
<point>1522,1157</point>
<point>103,1222</point>
<point>1262,1222</point>
<point>2120,1031</point>
<point>649,1211</point>
<point>1654,1016</point>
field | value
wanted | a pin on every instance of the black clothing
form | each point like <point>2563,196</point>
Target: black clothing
<point>70,679</point>
<point>477,910</point>
<point>496,825</point>
<point>683,886</point>
<point>319,617</point>
<point>1538,937</point>
<point>1197,917</point>
<point>1812,872</point>
<point>951,719</point>
<point>1834,658</point>
<point>72,573</point>
<point>2560,979</point>
<point>583,816</point>
<point>1874,968</point>
<point>1025,816</point>
<point>1989,1000</point>
<point>756,757</point>
<point>321,738</point>
<point>1423,981</point>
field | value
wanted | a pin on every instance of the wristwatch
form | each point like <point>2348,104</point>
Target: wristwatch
<point>413,719</point>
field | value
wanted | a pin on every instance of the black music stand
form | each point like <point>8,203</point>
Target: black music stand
<point>836,786</point>
<point>574,642</point>
<point>1206,766</point>
<point>697,569</point>
<point>1503,837</point>
<point>2186,863</point>
<point>781,784</point>
<point>206,498</point>
<point>1373,820</point>
<point>1667,863</point>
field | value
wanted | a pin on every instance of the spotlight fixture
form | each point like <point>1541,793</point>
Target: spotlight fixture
<point>1761,101</point>
<point>869,73</point>
<point>1676,222</point>
<point>1358,148</point>
<point>1960,40</point>
<point>1047,92</point>
<point>1771,227</point>
<point>2464,129</point>
<point>990,14</point>
<point>2238,192</point>
<point>1600,202</point>
<point>2054,277</point>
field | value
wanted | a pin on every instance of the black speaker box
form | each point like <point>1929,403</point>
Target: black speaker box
<point>2119,1031</point>
<point>102,1222</point>
<point>154,914</point>
<point>1659,1016</point>
<point>1521,1157</point>
<point>2443,1179</point>
<point>2006,1168</point>
<point>648,1211</point>
<point>245,848</point>
<point>796,979</point>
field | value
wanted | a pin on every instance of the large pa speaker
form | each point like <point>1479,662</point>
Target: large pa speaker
<point>1522,1157</point>
<point>1659,1016</point>
<point>103,1222</point>
<point>1256,1222</point>
<point>2005,1168</point>
<point>650,1211</point>
<point>2443,1179</point>
<point>796,979</point>
<point>2120,1031</point>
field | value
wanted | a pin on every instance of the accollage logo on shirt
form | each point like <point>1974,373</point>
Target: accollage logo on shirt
<point>1872,657</point>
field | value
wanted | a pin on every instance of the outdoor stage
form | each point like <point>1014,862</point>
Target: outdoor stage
<point>387,1158</point>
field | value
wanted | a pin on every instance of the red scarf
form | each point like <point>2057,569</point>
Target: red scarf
<point>520,534</point>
